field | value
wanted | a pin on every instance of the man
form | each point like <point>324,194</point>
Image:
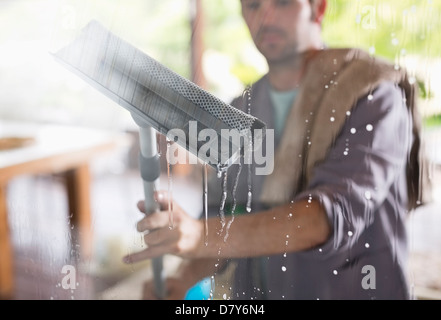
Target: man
<point>329,222</point>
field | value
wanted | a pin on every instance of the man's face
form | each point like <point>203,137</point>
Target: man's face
<point>279,28</point>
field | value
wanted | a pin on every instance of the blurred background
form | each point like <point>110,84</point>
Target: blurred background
<point>69,177</point>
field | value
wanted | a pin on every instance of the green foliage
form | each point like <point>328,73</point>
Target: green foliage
<point>424,92</point>
<point>433,121</point>
<point>247,74</point>
<point>391,28</point>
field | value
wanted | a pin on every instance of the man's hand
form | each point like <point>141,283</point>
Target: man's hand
<point>183,238</point>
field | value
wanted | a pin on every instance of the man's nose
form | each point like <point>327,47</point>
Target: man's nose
<point>268,15</point>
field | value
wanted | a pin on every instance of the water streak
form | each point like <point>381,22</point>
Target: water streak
<point>234,205</point>
<point>205,199</point>
<point>224,177</point>
<point>247,95</point>
<point>213,286</point>
<point>169,186</point>
<point>250,188</point>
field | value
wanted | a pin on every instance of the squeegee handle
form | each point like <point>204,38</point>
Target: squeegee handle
<point>150,172</point>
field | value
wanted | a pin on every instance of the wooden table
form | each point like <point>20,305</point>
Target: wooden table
<point>56,149</point>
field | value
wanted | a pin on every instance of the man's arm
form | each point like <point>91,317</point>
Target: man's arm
<point>297,226</point>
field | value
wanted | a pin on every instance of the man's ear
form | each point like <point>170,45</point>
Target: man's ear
<point>318,10</point>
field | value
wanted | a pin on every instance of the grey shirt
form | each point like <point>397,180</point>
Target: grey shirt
<point>362,186</point>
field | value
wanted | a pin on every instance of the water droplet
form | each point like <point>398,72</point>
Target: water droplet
<point>350,233</point>
<point>332,119</point>
<point>348,113</point>
<point>369,127</point>
<point>370,97</point>
<point>335,272</point>
<point>249,199</point>
<point>283,268</point>
<point>224,296</point>
<point>367,245</point>
<point>353,131</point>
<point>368,195</point>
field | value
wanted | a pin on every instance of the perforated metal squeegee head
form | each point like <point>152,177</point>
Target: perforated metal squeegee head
<point>155,94</point>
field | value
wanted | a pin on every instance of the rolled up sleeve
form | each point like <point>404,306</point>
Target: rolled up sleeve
<point>367,159</point>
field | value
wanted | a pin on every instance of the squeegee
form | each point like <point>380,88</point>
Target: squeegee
<point>159,100</point>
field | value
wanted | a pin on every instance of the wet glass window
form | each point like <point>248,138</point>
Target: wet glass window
<point>71,174</point>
